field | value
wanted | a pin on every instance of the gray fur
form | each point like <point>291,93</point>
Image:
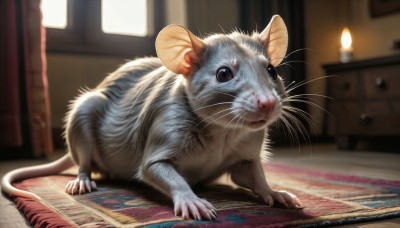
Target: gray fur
<point>143,114</point>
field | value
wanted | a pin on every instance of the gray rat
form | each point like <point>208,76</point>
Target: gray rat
<point>199,110</point>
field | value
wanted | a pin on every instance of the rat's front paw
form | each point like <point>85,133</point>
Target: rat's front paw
<point>189,205</point>
<point>284,198</point>
<point>80,185</point>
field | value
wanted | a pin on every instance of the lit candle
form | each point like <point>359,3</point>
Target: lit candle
<point>346,49</point>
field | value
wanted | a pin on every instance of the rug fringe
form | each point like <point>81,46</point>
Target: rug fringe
<point>39,215</point>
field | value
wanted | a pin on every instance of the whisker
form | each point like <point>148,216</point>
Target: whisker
<point>226,94</point>
<point>293,61</point>
<point>284,57</point>
<point>212,105</point>
<point>244,98</point>
<point>236,116</point>
<point>285,130</point>
<point>300,49</point>
<point>244,118</point>
<point>204,120</point>
<point>304,115</point>
<point>240,118</point>
<point>304,82</point>
<point>217,119</point>
<point>290,85</point>
<point>282,64</point>
<point>293,137</point>
<point>307,102</point>
<point>299,126</point>
<point>308,94</point>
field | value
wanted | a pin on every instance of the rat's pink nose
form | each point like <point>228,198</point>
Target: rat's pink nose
<point>266,104</point>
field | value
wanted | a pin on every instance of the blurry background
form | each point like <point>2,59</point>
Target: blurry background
<point>86,40</point>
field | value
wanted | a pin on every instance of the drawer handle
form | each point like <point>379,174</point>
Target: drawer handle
<point>366,119</point>
<point>380,83</point>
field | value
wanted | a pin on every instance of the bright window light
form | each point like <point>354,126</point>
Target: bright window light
<point>125,17</point>
<point>54,13</point>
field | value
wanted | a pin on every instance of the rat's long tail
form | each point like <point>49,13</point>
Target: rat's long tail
<point>54,167</point>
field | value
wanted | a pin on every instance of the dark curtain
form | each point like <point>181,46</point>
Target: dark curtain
<point>10,113</point>
<point>255,14</point>
<point>25,128</point>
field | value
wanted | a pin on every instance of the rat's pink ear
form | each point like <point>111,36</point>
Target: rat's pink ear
<point>275,39</point>
<point>178,49</point>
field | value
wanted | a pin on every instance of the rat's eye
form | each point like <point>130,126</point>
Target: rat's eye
<point>272,71</point>
<point>224,74</point>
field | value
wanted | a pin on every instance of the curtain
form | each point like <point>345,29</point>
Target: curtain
<point>10,118</point>
<point>24,100</point>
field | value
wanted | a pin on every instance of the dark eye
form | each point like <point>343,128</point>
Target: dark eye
<point>272,72</point>
<point>224,74</point>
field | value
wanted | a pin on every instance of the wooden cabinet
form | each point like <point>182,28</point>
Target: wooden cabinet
<point>366,99</point>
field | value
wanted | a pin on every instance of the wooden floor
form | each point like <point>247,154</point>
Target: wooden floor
<point>372,164</point>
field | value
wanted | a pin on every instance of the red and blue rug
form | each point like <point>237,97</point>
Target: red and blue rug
<point>329,199</point>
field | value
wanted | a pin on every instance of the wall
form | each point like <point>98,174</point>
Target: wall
<point>324,21</point>
<point>373,36</point>
<point>211,16</point>
<point>176,12</point>
<point>68,73</point>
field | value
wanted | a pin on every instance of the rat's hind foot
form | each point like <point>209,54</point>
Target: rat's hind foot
<point>80,185</point>
<point>189,205</point>
<point>284,198</point>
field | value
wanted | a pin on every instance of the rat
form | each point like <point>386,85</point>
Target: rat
<point>199,110</point>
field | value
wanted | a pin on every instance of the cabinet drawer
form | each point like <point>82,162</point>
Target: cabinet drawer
<point>382,82</point>
<point>344,85</point>
<point>376,118</point>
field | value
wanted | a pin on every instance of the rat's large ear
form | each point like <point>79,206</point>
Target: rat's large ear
<point>178,49</point>
<point>275,39</point>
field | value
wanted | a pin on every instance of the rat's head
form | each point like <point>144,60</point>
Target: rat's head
<point>231,80</point>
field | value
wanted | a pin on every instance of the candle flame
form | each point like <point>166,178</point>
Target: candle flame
<point>346,38</point>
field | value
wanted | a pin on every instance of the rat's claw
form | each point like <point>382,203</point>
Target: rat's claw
<point>206,209</point>
<point>82,189</point>
<point>284,198</point>
<point>192,206</point>
<point>194,211</point>
<point>80,186</point>
<point>291,199</point>
<point>209,205</point>
<point>212,215</point>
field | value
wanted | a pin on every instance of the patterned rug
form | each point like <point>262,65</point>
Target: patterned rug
<point>329,199</point>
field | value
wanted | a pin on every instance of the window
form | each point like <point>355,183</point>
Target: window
<point>125,17</point>
<point>114,27</point>
<point>54,13</point>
